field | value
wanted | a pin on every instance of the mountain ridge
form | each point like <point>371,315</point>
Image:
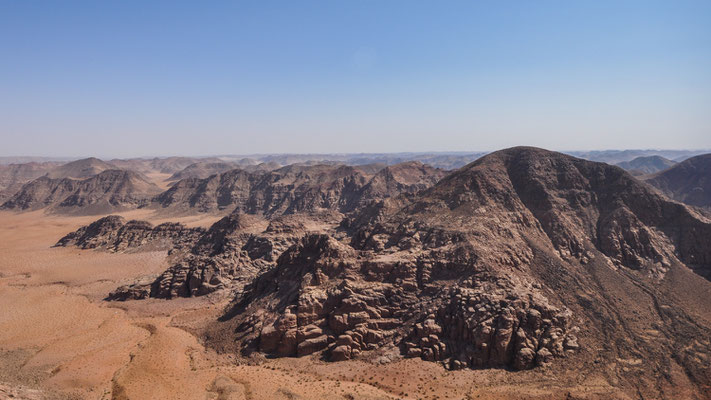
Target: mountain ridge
<point>646,165</point>
<point>523,259</point>
<point>107,191</point>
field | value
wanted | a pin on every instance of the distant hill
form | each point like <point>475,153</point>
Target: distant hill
<point>202,170</point>
<point>80,169</point>
<point>688,182</point>
<point>443,160</point>
<point>13,176</point>
<point>105,192</point>
<point>163,165</point>
<point>618,156</point>
<point>297,188</point>
<point>646,165</point>
<point>39,160</point>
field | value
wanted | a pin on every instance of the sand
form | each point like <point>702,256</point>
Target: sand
<point>60,339</point>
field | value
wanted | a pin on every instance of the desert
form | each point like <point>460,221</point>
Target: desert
<point>350,282</point>
<point>355,200</point>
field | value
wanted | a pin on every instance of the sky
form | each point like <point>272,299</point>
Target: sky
<point>140,78</point>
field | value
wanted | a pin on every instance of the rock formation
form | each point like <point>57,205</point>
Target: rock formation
<point>114,233</point>
<point>336,303</point>
<point>227,255</point>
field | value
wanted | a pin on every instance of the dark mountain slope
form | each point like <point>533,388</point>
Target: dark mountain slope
<point>688,181</point>
<point>105,192</point>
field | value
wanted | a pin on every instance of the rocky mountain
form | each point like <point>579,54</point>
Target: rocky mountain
<point>522,259</point>
<point>13,176</point>
<point>688,182</point>
<point>296,188</point>
<point>646,165</point>
<point>109,190</point>
<point>80,169</point>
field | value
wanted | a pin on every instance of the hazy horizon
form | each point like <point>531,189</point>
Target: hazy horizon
<point>226,156</point>
<point>131,79</point>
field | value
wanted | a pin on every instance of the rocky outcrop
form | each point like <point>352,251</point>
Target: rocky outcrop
<point>191,276</point>
<point>480,327</point>
<point>227,255</point>
<point>114,233</point>
<point>327,299</point>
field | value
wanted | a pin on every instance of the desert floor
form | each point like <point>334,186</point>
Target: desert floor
<point>59,339</point>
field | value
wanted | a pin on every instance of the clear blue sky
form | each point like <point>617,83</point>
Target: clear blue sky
<point>134,78</point>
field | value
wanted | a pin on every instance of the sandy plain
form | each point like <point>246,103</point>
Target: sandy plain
<point>60,340</point>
